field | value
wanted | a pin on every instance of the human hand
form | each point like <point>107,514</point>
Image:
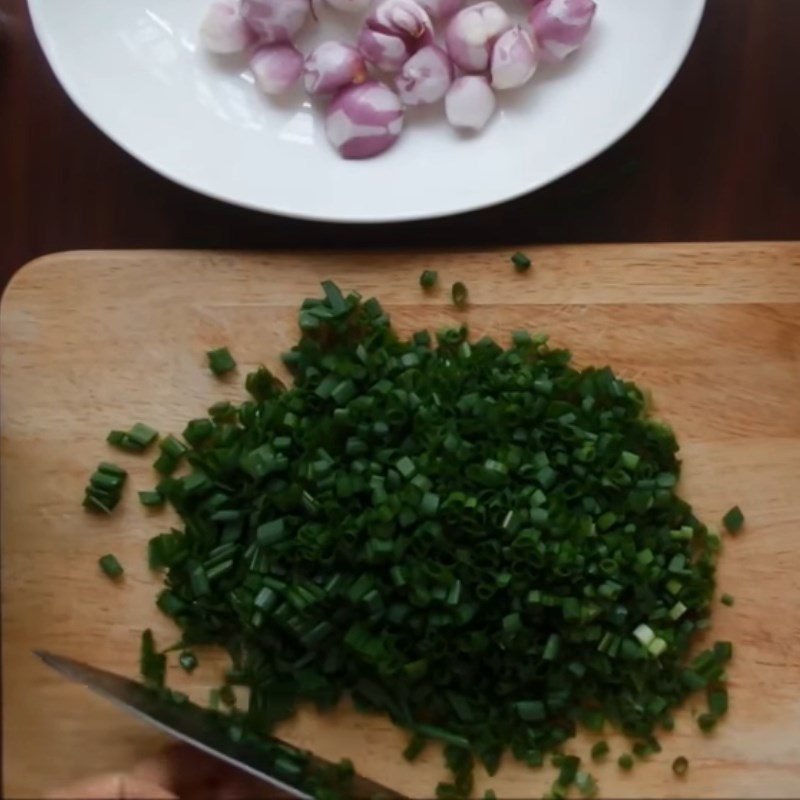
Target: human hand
<point>178,773</point>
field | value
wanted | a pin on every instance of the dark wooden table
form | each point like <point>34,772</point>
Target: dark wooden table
<point>718,158</point>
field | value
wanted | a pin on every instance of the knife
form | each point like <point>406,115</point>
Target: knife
<point>192,724</point>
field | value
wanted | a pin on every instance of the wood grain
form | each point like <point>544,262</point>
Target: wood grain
<point>92,341</point>
<point>717,158</point>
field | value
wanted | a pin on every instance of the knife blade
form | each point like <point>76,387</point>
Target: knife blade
<point>191,724</point>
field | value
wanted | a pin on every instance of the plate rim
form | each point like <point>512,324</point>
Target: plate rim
<point>630,122</point>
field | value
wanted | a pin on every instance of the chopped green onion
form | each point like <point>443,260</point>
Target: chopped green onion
<point>718,701</point>
<point>433,732</point>
<point>167,550</point>
<point>521,262</point>
<point>104,482</point>
<point>625,761</point>
<point>727,599</point>
<point>96,502</point>
<point>107,468</point>
<point>272,532</point>
<point>200,582</point>
<point>105,488</point>
<point>460,294</point>
<point>151,498</point>
<point>586,783</point>
<point>723,652</point>
<point>137,439</point>
<point>429,504</point>
<point>644,633</point>
<point>646,748</point>
<point>733,520</point>
<point>557,791</point>
<point>152,664</point>
<point>657,646</point>
<point>568,769</point>
<point>220,361</point>
<point>227,695</point>
<point>428,279</point>
<point>143,435</point>
<point>123,441</point>
<point>678,610</point>
<point>172,447</point>
<point>680,765</point>
<point>600,750</point>
<point>552,647</point>
<point>110,566</point>
<point>531,710</point>
<point>706,722</point>
<point>415,747</point>
<point>197,431</point>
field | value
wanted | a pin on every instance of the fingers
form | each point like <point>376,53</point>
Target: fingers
<point>180,772</point>
<point>112,786</point>
<point>182,768</point>
<point>191,774</point>
<point>135,789</point>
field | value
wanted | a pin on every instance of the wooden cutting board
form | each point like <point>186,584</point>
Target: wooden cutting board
<point>94,341</point>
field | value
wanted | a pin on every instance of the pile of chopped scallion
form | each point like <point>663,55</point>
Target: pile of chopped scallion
<point>483,543</point>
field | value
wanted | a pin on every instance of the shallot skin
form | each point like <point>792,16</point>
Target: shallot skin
<point>425,77</point>
<point>364,120</point>
<point>276,67</point>
<point>472,32</point>
<point>469,103</point>
<point>393,32</point>
<point>223,31</point>
<point>561,26</point>
<point>332,65</point>
<point>275,20</point>
<point>514,59</point>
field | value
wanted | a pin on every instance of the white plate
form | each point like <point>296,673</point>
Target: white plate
<point>134,68</point>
